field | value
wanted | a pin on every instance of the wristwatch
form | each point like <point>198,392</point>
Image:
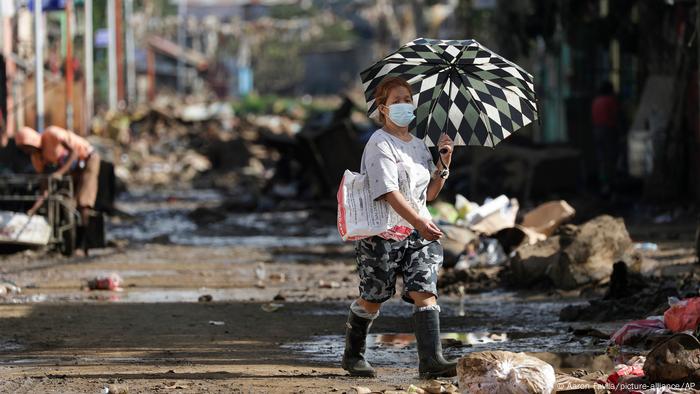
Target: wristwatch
<point>444,173</point>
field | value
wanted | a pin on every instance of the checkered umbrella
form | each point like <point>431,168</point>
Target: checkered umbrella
<point>461,88</point>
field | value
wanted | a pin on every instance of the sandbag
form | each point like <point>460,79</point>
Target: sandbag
<point>501,372</point>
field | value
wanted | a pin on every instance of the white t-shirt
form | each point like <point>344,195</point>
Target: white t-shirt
<point>383,151</point>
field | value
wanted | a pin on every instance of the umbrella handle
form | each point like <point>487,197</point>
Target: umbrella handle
<point>444,166</point>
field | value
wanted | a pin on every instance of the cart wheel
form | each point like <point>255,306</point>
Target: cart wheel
<point>68,236</point>
<point>67,246</point>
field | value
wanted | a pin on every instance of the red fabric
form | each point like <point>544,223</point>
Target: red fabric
<point>604,111</point>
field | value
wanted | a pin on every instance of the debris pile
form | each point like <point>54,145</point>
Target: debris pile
<point>169,144</point>
<point>484,245</point>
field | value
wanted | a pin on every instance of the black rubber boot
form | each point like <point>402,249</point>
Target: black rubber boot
<point>431,362</point>
<point>356,330</point>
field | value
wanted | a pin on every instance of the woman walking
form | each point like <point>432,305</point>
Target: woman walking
<point>417,258</point>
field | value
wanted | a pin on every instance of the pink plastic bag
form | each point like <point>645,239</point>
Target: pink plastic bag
<point>683,315</point>
<point>638,328</point>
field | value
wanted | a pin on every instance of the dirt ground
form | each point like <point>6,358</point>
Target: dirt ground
<point>58,338</point>
<point>154,336</point>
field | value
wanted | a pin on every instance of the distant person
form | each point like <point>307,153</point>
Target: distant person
<point>605,117</point>
<point>419,257</point>
<point>61,152</point>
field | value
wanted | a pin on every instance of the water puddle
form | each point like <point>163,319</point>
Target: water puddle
<point>166,217</point>
<point>10,345</point>
<point>399,349</point>
<point>489,321</point>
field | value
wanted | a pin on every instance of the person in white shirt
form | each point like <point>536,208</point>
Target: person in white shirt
<point>417,258</point>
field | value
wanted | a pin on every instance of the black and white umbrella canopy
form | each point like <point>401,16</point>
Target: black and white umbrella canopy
<point>459,87</point>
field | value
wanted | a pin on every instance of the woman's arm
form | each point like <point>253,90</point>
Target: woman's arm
<point>445,147</point>
<point>426,228</point>
<point>435,186</point>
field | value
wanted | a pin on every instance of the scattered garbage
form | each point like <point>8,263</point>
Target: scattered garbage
<point>322,284</point>
<point>8,287</point>
<point>488,254</point>
<point>646,247</point>
<point>205,298</point>
<point>493,372</point>
<point>638,329</point>
<point>625,374</point>
<point>360,390</point>
<point>444,212</point>
<point>455,242</point>
<point>547,217</point>
<point>115,389</point>
<point>499,214</point>
<point>683,315</point>
<point>271,307</point>
<point>432,387</point>
<point>112,283</point>
<point>278,277</point>
<point>216,323</point>
<point>21,229</point>
<point>676,360</point>
<point>487,209</point>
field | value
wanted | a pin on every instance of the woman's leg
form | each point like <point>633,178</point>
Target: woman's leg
<point>421,264</point>
<point>362,314</point>
<point>377,272</point>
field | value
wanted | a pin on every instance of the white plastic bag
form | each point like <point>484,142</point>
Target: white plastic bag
<point>359,216</point>
<point>500,372</point>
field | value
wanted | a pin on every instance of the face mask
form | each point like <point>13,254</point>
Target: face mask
<point>401,114</point>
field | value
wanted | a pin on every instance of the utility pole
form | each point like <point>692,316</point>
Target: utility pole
<point>10,70</point>
<point>112,55</point>
<point>130,54</point>
<point>182,42</point>
<point>69,66</point>
<point>119,32</point>
<point>39,64</point>
<point>89,78</point>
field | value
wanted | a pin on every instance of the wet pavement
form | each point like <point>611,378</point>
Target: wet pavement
<point>57,330</point>
<point>492,321</point>
<point>167,217</point>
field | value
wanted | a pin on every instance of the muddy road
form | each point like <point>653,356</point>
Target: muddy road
<point>280,286</point>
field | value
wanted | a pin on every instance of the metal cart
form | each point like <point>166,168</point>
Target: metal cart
<point>18,193</point>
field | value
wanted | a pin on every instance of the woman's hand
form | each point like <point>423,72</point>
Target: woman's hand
<point>428,230</point>
<point>445,148</point>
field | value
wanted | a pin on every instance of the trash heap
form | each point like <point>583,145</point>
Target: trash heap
<point>490,245</point>
<point>197,143</point>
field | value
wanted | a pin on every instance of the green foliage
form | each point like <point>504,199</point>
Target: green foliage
<point>255,104</point>
<point>291,11</point>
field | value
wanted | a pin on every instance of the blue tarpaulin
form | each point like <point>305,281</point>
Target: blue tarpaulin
<point>52,5</point>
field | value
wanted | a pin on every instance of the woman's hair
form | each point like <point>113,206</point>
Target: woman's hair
<point>381,93</point>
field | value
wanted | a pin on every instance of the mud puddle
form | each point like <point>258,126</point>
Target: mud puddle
<point>170,217</point>
<point>488,321</point>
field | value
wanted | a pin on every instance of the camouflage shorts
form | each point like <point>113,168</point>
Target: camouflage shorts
<point>380,261</point>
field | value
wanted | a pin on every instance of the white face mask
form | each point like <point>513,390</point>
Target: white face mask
<point>401,114</point>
